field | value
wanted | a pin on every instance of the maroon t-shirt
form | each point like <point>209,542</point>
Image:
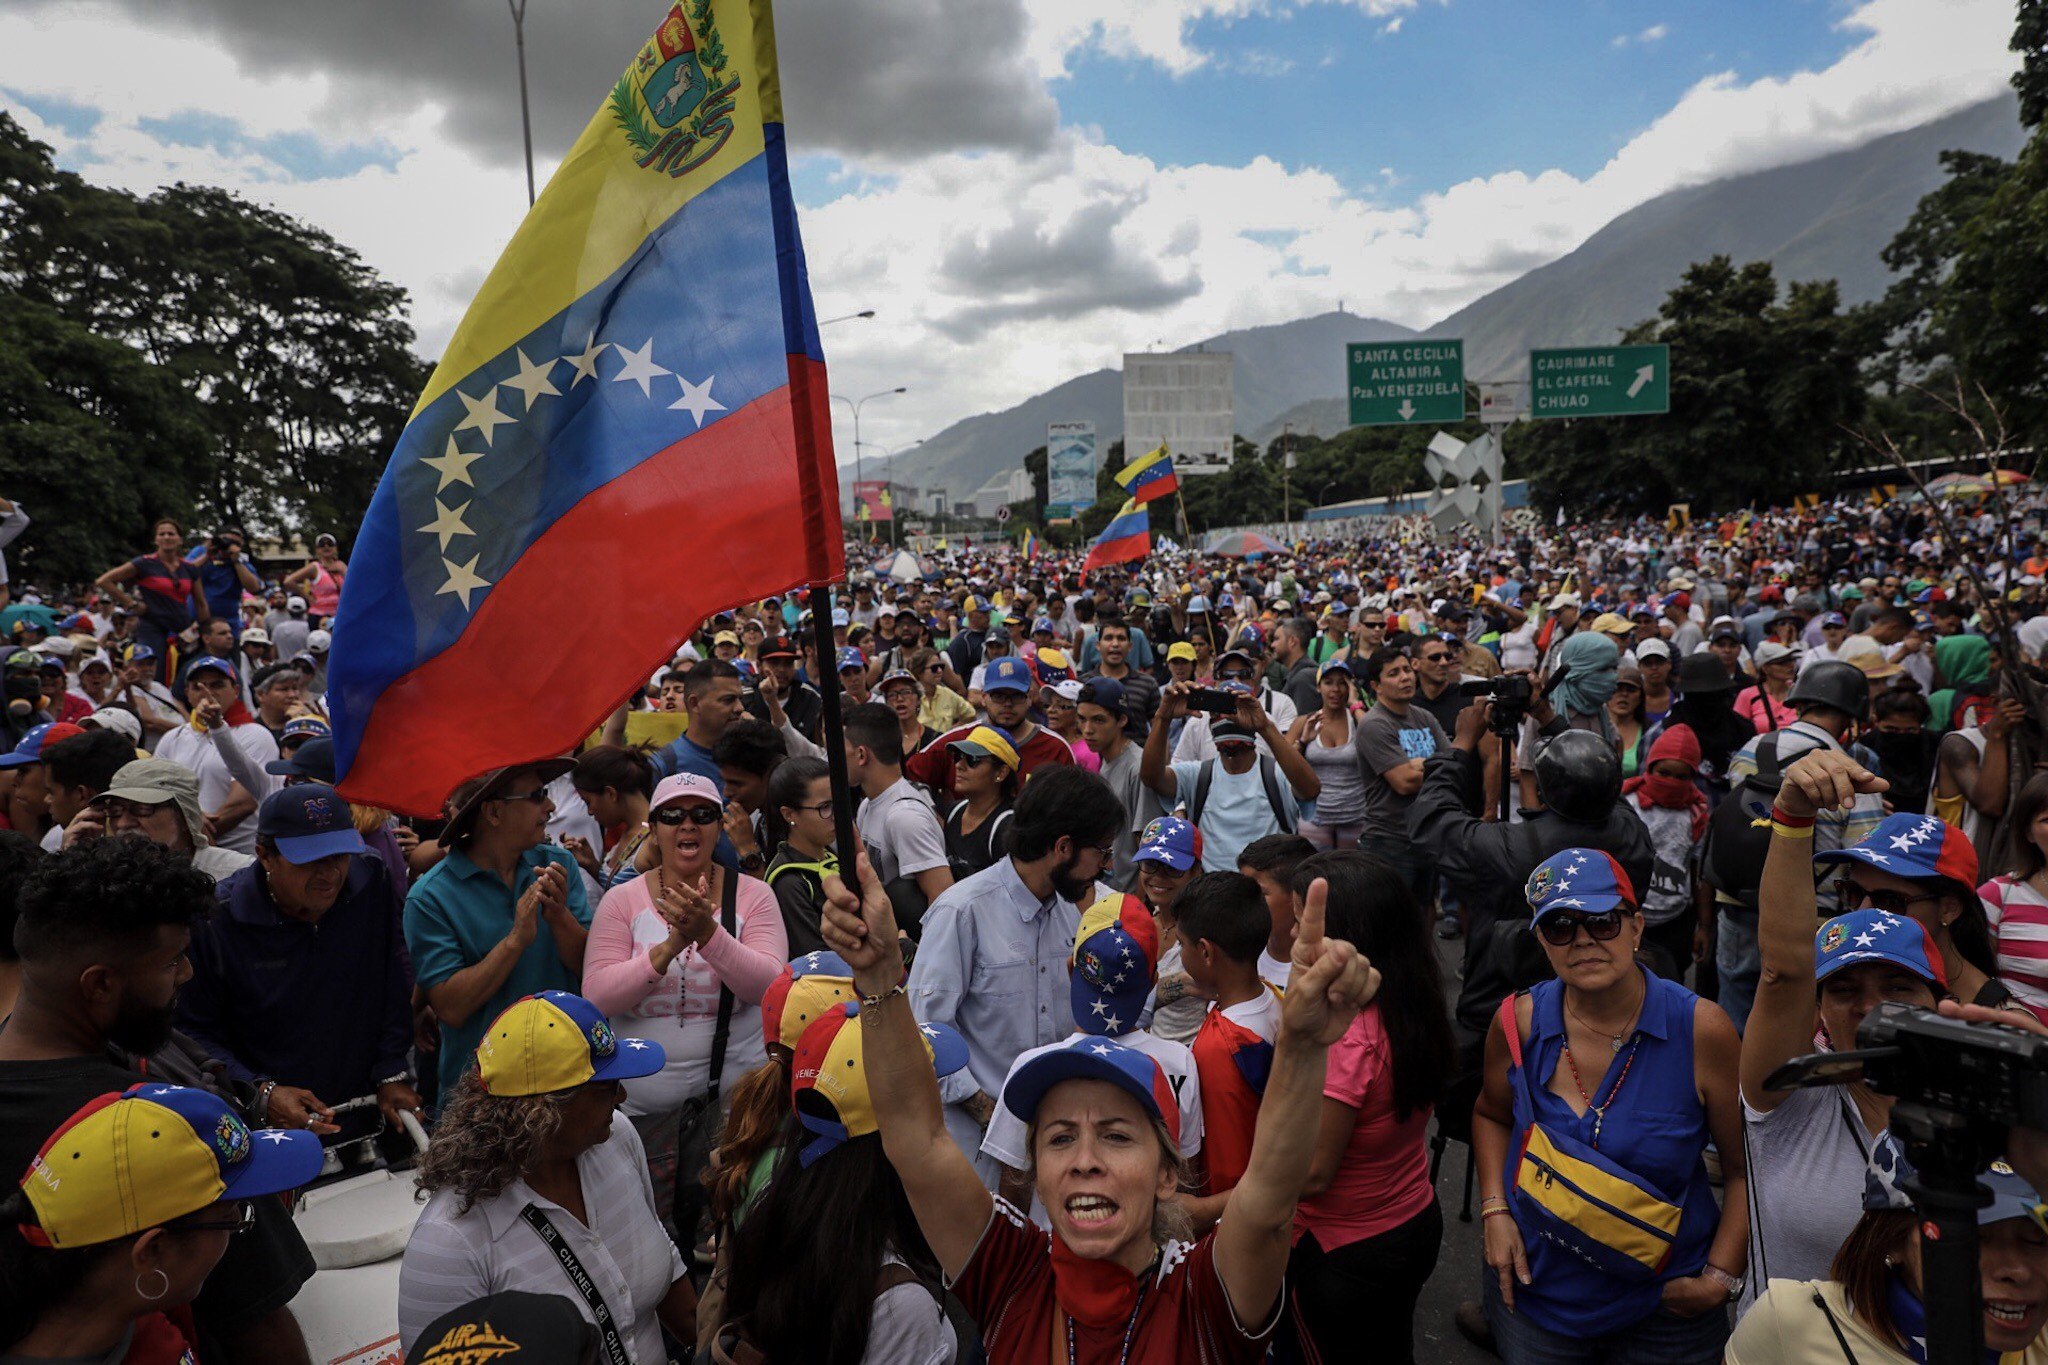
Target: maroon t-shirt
<point>1185,1316</point>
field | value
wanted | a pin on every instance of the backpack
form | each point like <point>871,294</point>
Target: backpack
<point>1739,831</point>
<point>1269,777</point>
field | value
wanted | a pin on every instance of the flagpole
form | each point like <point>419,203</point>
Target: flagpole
<point>834,731</point>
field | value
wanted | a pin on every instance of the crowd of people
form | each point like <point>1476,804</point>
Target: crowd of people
<point>1126,1031</point>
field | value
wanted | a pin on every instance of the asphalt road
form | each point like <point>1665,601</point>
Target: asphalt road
<point>1457,1268</point>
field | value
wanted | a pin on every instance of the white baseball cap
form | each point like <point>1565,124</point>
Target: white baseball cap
<point>319,641</point>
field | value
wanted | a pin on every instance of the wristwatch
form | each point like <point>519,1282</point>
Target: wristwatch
<point>1731,1283</point>
<point>752,862</point>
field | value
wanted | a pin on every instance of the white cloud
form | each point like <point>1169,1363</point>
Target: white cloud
<point>1655,33</point>
<point>1157,31</point>
<point>997,274</point>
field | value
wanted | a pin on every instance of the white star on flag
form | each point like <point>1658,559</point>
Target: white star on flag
<point>1865,940</point>
<point>483,414</point>
<point>532,380</point>
<point>1901,842</point>
<point>697,399</point>
<point>640,367</point>
<point>273,1136</point>
<point>585,364</point>
<point>453,466</point>
<point>1101,1051</point>
<point>1884,858</point>
<point>462,579</point>
<point>1114,1023</point>
<point>1099,1007</point>
<point>636,1045</point>
<point>447,523</point>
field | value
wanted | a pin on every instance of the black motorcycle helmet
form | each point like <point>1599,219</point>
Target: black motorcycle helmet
<point>1835,684</point>
<point>1578,775</point>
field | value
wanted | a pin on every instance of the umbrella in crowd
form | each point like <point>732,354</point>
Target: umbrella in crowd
<point>1242,545</point>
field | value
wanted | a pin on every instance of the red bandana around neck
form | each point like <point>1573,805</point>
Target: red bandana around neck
<point>1093,1293</point>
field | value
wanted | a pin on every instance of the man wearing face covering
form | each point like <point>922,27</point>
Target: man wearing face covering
<point>1706,706</point>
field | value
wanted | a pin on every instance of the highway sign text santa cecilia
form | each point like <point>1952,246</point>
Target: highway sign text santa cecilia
<point>1393,382</point>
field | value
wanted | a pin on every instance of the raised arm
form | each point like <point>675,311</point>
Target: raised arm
<point>1153,768</point>
<point>1327,986</point>
<point>1780,1024</point>
<point>951,1205</point>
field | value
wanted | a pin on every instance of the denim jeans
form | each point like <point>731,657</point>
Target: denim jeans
<point>1737,963</point>
<point>1662,1338</point>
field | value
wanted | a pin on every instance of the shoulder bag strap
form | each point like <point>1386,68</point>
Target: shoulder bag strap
<point>1205,775</point>
<point>1511,1030</point>
<point>1835,1327</point>
<point>579,1279</point>
<point>728,915</point>
<point>1269,775</point>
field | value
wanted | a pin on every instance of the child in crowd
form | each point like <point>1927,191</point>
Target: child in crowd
<point>1270,861</point>
<point>1169,856</point>
<point>1667,798</point>
<point>1116,950</point>
<point>1223,926</point>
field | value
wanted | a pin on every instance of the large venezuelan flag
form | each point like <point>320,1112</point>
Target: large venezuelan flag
<point>1149,476</point>
<point>1128,536</point>
<point>629,431</point>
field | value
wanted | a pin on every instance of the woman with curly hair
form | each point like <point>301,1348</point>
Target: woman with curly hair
<point>537,1183</point>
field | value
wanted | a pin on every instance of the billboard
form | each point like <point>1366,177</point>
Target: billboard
<point>1069,469</point>
<point>872,501</point>
<point>1183,402</point>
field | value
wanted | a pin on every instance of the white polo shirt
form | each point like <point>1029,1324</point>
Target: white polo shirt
<point>454,1258</point>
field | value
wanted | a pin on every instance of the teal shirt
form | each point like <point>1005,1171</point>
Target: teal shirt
<point>456,914</point>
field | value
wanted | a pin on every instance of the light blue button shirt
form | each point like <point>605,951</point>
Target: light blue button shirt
<point>992,962</point>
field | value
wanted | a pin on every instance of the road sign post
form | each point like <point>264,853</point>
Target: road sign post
<point>1393,383</point>
<point>1600,381</point>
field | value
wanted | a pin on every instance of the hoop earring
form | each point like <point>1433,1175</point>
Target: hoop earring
<point>159,1293</point>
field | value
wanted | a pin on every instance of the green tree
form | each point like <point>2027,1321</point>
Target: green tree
<point>1763,388</point>
<point>2030,40</point>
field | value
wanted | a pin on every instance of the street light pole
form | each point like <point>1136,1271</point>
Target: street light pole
<point>855,404</point>
<point>847,317</point>
<point>518,8</point>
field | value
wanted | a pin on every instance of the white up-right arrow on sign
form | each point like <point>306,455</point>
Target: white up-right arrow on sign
<point>1643,376</point>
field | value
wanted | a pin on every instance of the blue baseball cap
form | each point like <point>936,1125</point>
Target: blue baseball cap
<point>139,654</point>
<point>212,661</point>
<point>850,657</point>
<point>1919,847</point>
<point>1170,840</point>
<point>1106,693</point>
<point>30,749</point>
<point>308,822</point>
<point>1876,936</point>
<point>314,759</point>
<point>840,616</point>
<point>1834,618</point>
<point>1087,1057</point>
<point>1884,1181</point>
<point>1008,674</point>
<point>1043,623</point>
<point>1583,879</point>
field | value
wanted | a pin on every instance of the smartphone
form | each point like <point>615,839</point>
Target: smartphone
<point>1214,700</point>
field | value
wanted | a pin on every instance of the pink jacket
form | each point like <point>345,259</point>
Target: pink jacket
<point>618,978</point>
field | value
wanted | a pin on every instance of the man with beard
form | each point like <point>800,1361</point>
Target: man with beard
<point>992,961</point>
<point>102,934</point>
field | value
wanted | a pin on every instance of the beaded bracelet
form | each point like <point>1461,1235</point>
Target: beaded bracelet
<point>1501,1212</point>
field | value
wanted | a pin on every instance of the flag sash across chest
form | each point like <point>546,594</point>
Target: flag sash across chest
<point>630,431</point>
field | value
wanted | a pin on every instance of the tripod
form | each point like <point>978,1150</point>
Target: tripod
<point>1946,1152</point>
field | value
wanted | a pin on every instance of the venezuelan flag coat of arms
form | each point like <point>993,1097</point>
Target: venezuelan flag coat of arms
<point>628,431</point>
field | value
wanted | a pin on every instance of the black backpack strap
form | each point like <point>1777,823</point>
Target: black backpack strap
<point>1269,774</point>
<point>1205,777</point>
<point>728,915</point>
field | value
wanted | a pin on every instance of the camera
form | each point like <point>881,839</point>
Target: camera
<point>1956,1089</point>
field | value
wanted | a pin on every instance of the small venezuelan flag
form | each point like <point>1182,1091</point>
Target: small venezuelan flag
<point>1128,536</point>
<point>1030,544</point>
<point>1149,476</point>
<point>646,350</point>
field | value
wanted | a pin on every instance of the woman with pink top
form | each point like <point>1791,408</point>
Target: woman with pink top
<point>682,956</point>
<point>2016,904</point>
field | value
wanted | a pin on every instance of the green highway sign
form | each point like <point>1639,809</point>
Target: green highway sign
<point>1600,381</point>
<point>1393,382</point>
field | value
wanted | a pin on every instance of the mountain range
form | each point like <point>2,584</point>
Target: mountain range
<point>1825,218</point>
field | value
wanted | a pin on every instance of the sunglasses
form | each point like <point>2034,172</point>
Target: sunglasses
<point>537,795</point>
<point>1560,930</point>
<point>972,760</point>
<point>1438,658</point>
<point>1855,897</point>
<point>696,815</point>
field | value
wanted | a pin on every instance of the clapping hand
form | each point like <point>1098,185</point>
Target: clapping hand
<point>1330,980</point>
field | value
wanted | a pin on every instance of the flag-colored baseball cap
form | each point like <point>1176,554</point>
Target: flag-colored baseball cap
<point>554,1041</point>
<point>1876,936</point>
<point>308,822</point>
<point>307,727</point>
<point>213,662</point>
<point>1583,879</point>
<point>989,741</point>
<point>1054,668</point>
<point>1115,957</point>
<point>1920,847</point>
<point>138,1159</point>
<point>1888,1170</point>
<point>1007,674</point>
<point>1088,1058</point>
<point>801,993</point>
<point>1170,840</point>
<point>849,657</point>
<point>30,749</point>
<point>829,1078</point>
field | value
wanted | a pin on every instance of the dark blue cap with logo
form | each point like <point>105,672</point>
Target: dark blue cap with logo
<point>1009,674</point>
<point>313,759</point>
<point>309,822</point>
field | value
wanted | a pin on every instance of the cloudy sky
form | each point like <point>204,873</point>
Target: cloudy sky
<point>1022,189</point>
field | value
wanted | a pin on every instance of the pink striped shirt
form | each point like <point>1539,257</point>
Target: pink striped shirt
<point>2019,934</point>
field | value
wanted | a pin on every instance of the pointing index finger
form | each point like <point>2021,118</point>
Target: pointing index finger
<point>1308,925</point>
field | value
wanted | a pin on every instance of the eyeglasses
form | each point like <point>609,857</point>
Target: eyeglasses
<point>1856,897</point>
<point>242,1220</point>
<point>1560,930</point>
<point>537,795</point>
<point>696,815</point>
<point>116,808</point>
<point>823,810</point>
<point>1232,675</point>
